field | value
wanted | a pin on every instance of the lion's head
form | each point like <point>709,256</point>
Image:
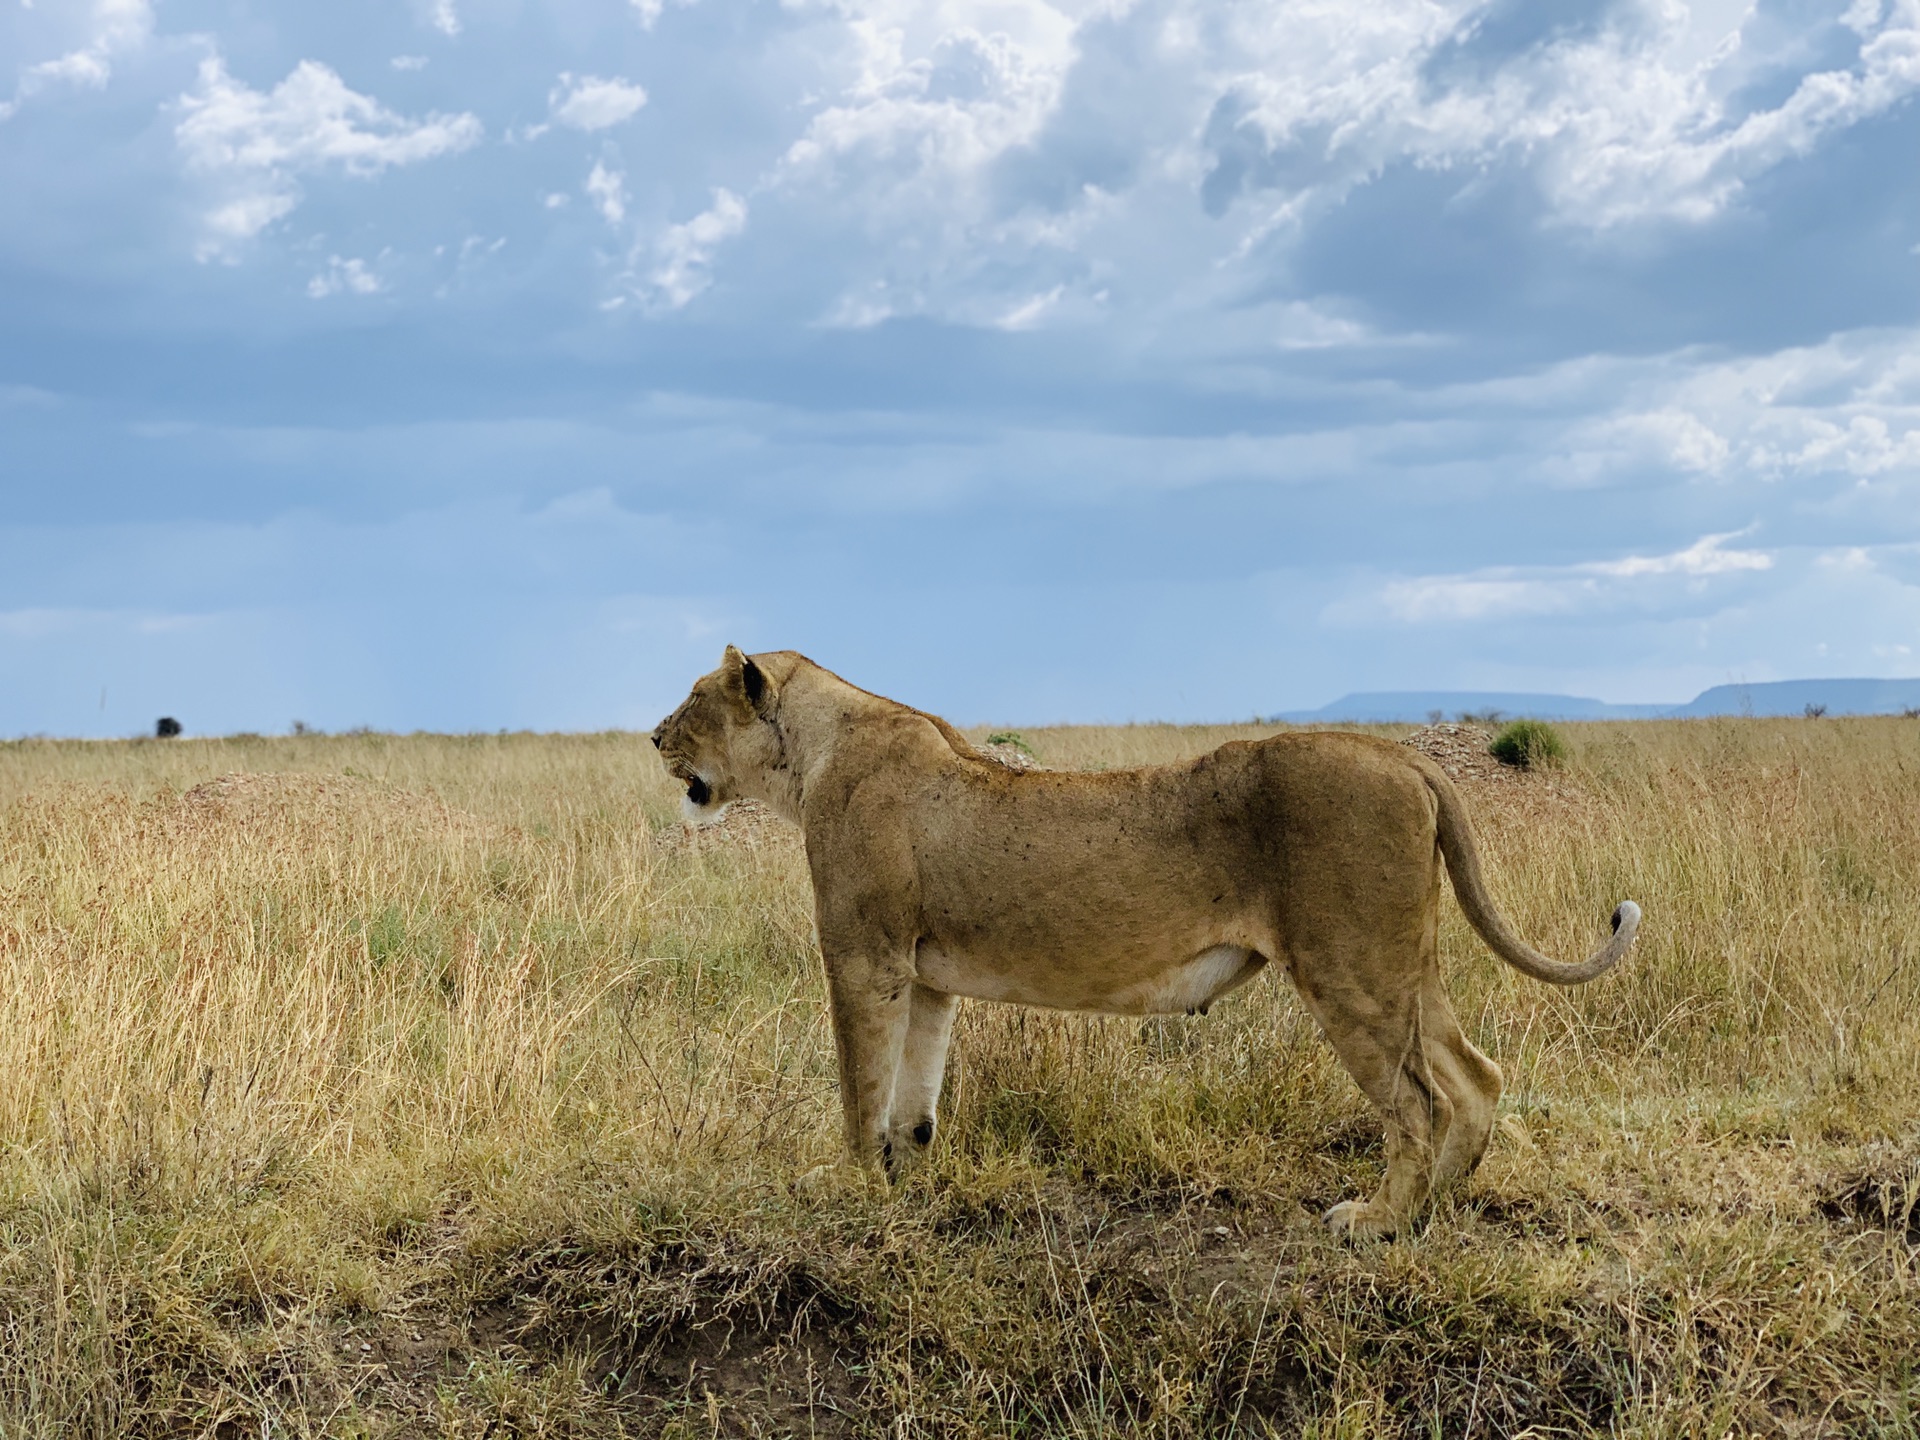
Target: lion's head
<point>721,743</point>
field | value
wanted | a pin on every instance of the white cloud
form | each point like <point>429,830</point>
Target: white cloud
<point>254,143</point>
<point>234,221</point>
<point>408,62</point>
<point>1470,597</point>
<point>1633,117</point>
<point>115,28</point>
<point>1706,556</point>
<point>1627,123</point>
<point>586,102</point>
<point>445,18</point>
<point>350,277</point>
<point>683,254</point>
<point>1864,447</point>
<point>1671,168</point>
<point>1030,312</point>
<point>310,119</point>
<point>1676,438</point>
<point>925,118</point>
<point>904,155</point>
<point>1512,592</point>
<point>608,191</point>
<point>1848,407</point>
<point>1005,163</point>
<point>978,156</point>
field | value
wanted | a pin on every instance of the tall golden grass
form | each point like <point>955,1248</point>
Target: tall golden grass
<point>441,1085</point>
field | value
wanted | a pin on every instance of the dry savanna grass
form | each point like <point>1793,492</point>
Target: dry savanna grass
<point>440,1086</point>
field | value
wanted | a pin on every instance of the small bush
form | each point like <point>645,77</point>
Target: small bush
<point>1814,712</point>
<point>1528,744</point>
<point>1009,737</point>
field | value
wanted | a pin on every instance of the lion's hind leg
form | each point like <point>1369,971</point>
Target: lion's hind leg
<point>1379,1038</point>
<point>1471,1081</point>
<point>916,1087</point>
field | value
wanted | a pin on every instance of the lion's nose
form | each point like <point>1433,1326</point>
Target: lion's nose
<point>655,737</point>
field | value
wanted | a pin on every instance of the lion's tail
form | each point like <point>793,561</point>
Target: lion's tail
<point>1463,866</point>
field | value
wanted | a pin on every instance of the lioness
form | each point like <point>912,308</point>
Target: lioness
<point>939,873</point>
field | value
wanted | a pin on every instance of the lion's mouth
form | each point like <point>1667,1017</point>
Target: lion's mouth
<point>699,792</point>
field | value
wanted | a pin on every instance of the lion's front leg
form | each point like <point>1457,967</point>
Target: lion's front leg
<point>871,1006</point>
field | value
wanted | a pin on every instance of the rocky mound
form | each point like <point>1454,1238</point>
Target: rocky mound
<point>1506,792</point>
<point>1014,757</point>
<point>1461,751</point>
<point>745,823</point>
<point>293,800</point>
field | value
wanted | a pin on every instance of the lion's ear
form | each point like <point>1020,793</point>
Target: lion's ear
<point>758,687</point>
<point>745,679</point>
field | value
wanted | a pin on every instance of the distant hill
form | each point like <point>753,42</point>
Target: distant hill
<point>1774,697</point>
<point>1792,697</point>
<point>1388,706</point>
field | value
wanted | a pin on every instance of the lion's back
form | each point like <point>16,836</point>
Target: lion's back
<point>1235,829</point>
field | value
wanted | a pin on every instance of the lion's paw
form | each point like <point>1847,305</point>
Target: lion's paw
<point>1358,1221</point>
<point>906,1149</point>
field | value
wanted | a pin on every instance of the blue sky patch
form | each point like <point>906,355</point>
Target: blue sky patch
<point>461,365</point>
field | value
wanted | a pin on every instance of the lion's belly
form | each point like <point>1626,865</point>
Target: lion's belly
<point>1191,986</point>
<point>1163,988</point>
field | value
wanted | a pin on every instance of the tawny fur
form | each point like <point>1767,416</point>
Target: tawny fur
<point>938,873</point>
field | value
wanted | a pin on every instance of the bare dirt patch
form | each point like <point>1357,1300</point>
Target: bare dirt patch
<point>1879,1191</point>
<point>750,1344</point>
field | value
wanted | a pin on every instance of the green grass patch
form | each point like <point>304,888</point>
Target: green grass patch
<point>1528,745</point>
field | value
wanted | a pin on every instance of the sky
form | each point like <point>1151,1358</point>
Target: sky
<point>478,364</point>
